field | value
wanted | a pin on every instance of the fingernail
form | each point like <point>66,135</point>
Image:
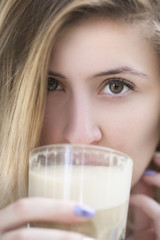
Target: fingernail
<point>84,211</point>
<point>149,173</point>
<point>157,154</point>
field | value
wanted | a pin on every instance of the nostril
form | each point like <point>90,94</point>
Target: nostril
<point>83,136</point>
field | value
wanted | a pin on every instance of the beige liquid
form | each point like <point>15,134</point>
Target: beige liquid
<point>111,186</point>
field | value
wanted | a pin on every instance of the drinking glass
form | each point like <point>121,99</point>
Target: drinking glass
<point>90,175</point>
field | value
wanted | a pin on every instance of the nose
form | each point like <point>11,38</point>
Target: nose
<point>81,126</point>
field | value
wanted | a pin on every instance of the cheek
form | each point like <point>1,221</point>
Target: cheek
<point>52,123</point>
<point>136,133</point>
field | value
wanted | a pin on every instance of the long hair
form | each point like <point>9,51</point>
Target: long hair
<point>28,30</point>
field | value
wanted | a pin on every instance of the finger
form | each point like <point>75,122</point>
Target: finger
<point>152,178</point>
<point>41,234</point>
<point>41,209</point>
<point>146,204</point>
<point>156,158</point>
<point>141,220</point>
<point>143,188</point>
<point>150,207</point>
<point>145,235</point>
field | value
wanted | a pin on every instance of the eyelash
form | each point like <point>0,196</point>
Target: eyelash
<point>116,80</point>
<point>108,82</point>
<point>53,81</point>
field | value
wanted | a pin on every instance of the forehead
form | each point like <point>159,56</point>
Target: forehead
<point>144,27</point>
<point>115,40</point>
<point>103,27</point>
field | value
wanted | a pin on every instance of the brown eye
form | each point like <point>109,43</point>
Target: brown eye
<point>52,84</point>
<point>116,87</point>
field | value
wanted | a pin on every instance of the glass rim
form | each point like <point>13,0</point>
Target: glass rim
<point>84,146</point>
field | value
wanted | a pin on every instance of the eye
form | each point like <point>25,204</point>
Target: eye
<point>117,86</point>
<point>53,84</point>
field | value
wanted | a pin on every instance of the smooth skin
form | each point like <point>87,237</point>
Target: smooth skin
<point>103,89</point>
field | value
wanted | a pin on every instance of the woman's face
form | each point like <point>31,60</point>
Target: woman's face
<point>104,90</point>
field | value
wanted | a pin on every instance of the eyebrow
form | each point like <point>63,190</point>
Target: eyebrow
<point>121,70</point>
<point>108,72</point>
<point>55,74</point>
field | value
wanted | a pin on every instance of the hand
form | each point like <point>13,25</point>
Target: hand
<point>15,217</point>
<point>147,211</point>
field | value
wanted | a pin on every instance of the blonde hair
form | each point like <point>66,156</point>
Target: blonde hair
<point>28,30</point>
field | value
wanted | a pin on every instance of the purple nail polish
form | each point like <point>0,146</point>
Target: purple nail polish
<point>84,211</point>
<point>149,173</point>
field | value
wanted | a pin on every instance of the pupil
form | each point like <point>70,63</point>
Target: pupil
<point>116,87</point>
<point>52,84</point>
